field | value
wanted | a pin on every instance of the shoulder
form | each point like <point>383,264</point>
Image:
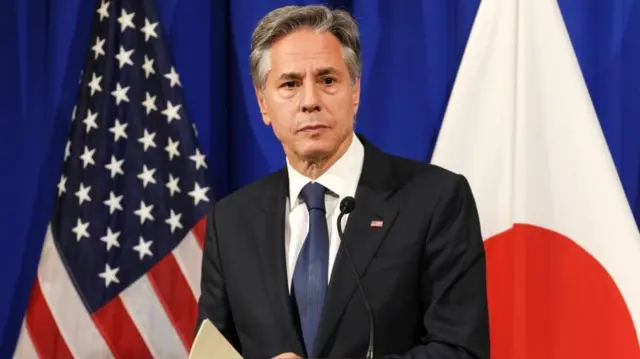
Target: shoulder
<point>250,195</point>
<point>424,176</point>
<point>402,173</point>
<point>432,191</point>
<point>410,181</point>
<point>428,187</point>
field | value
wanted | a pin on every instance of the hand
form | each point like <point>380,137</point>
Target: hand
<point>287,356</point>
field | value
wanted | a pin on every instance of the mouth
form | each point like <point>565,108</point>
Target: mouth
<point>312,128</point>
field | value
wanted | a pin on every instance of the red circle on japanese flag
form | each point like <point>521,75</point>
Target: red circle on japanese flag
<point>550,299</point>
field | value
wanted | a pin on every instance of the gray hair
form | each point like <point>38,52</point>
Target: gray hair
<point>288,19</point>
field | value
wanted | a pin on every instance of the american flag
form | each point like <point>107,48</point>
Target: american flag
<point>120,267</point>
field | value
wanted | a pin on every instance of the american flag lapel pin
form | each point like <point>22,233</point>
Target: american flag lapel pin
<point>376,224</point>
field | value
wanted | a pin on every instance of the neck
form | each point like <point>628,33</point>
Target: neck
<point>315,167</point>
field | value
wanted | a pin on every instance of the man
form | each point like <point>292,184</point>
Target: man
<point>276,280</point>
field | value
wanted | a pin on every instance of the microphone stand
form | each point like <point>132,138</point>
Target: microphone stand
<point>347,206</point>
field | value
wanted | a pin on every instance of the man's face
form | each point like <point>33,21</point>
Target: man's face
<point>308,98</point>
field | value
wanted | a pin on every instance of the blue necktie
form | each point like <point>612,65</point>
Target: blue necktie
<point>310,274</point>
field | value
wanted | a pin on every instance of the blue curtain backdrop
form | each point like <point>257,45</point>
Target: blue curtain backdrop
<point>411,49</point>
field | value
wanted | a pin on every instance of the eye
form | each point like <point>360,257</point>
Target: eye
<point>328,81</point>
<point>289,84</point>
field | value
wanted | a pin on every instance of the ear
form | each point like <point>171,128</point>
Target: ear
<point>355,97</point>
<point>262,104</point>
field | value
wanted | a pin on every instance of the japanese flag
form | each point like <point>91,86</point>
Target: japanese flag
<point>563,250</point>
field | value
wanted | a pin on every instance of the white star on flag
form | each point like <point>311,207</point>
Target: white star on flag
<point>87,157</point>
<point>62,185</point>
<point>67,150</point>
<point>124,57</point>
<point>173,77</point>
<point>172,185</point>
<point>109,275</point>
<point>148,66</point>
<point>120,93</point>
<point>147,140</point>
<point>172,148</point>
<point>171,111</point>
<point>103,11</point>
<point>115,166</point>
<point>111,239</point>
<point>149,30</point>
<point>126,20</point>
<point>90,120</point>
<point>146,176</point>
<point>199,194</point>
<point>95,83</point>
<point>98,47</point>
<point>144,212</point>
<point>149,103</point>
<point>198,159</point>
<point>143,248</point>
<point>83,194</point>
<point>119,130</point>
<point>113,202</point>
<point>81,229</point>
<point>174,221</point>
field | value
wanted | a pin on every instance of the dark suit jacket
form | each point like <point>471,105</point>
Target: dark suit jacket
<point>423,271</point>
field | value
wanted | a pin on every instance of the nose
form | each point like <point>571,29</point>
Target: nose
<point>310,101</point>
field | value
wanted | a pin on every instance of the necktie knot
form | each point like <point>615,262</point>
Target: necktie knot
<point>313,195</point>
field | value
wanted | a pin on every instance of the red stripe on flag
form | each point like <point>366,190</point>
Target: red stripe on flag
<point>42,327</point>
<point>120,332</point>
<point>199,231</point>
<point>176,297</point>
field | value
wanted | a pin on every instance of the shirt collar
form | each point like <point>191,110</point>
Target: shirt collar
<point>341,178</point>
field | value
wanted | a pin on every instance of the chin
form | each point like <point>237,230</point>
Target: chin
<point>316,149</point>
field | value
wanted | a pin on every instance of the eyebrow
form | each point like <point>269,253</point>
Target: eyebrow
<point>323,71</point>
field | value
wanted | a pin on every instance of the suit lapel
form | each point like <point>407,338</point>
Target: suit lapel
<point>362,239</point>
<point>269,230</point>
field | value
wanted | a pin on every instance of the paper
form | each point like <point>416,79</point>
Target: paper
<point>211,344</point>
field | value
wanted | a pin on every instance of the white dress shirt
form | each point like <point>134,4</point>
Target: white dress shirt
<point>341,180</point>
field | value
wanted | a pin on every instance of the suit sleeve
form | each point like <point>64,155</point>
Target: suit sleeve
<point>214,303</point>
<point>453,281</point>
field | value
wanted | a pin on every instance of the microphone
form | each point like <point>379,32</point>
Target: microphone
<point>347,205</point>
